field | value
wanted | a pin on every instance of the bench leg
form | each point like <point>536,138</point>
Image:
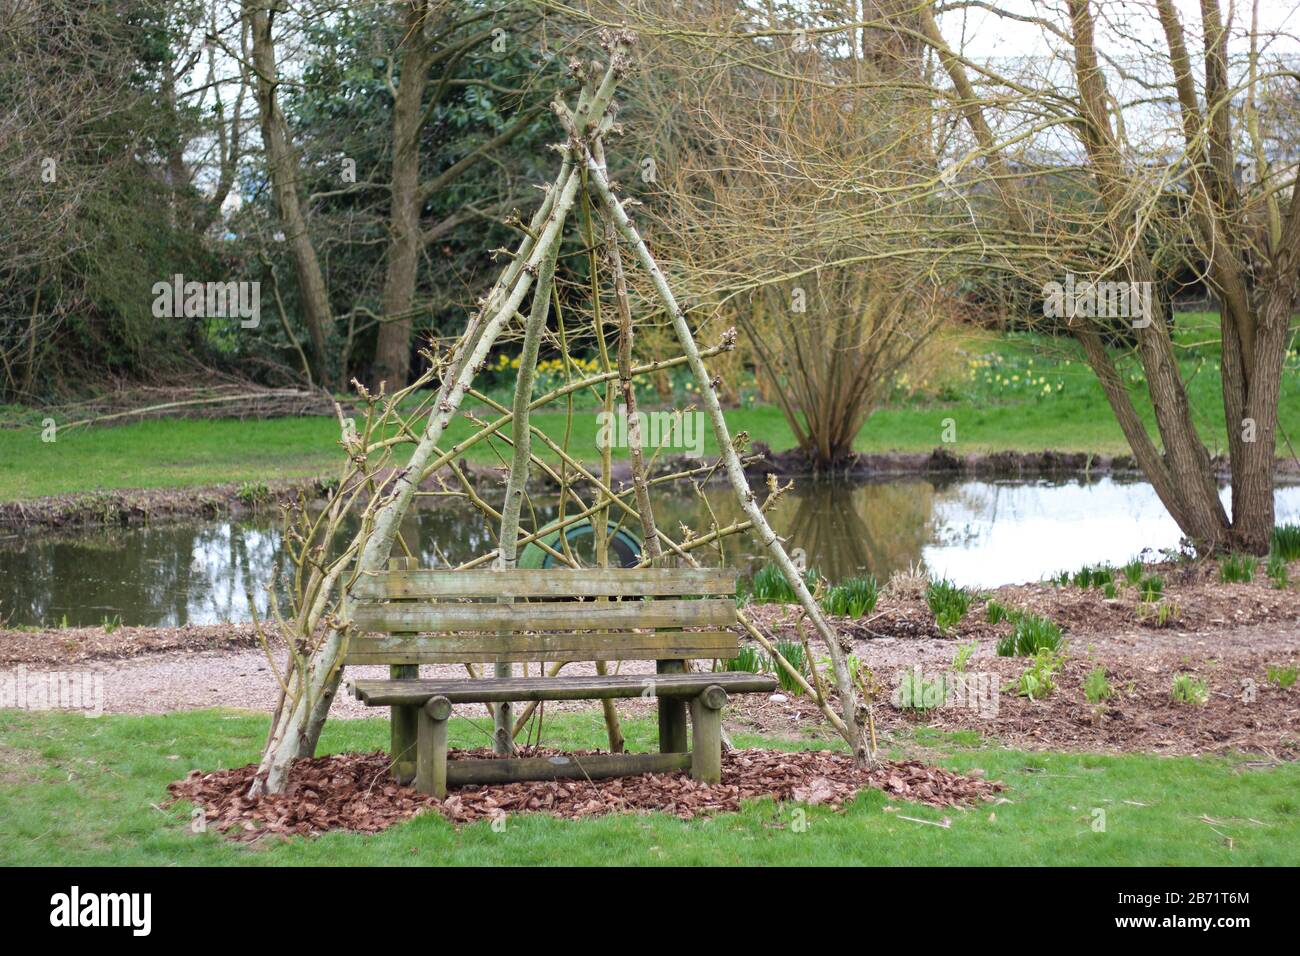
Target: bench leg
<point>431,749</point>
<point>402,730</point>
<point>672,714</point>
<point>706,719</point>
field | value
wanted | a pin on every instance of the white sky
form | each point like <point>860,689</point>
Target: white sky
<point>986,35</point>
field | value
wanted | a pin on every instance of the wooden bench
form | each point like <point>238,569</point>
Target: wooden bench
<point>668,615</point>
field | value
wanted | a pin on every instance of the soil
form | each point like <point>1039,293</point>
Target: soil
<point>1194,598</point>
<point>1226,635</point>
<point>1243,713</point>
<point>358,792</point>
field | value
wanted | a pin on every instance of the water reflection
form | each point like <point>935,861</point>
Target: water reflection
<point>980,533</point>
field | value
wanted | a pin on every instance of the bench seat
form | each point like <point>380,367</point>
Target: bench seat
<point>387,693</point>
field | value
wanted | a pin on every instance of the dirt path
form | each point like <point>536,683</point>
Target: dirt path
<point>185,680</point>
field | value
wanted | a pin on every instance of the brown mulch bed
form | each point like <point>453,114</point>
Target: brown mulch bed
<point>356,792</point>
<point>1244,712</point>
<point>1201,602</point>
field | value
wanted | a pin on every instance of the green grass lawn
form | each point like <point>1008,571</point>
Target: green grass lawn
<point>1028,392</point>
<point>80,791</point>
<point>1017,392</point>
<point>184,453</point>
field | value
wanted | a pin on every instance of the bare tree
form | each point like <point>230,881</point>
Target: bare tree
<point>94,126</point>
<point>1245,233</point>
<point>436,36</point>
<point>282,169</point>
<point>430,41</point>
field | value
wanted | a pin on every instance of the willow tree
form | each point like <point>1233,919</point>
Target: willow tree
<point>775,158</point>
<point>318,622</point>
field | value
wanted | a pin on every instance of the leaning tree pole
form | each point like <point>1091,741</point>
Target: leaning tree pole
<point>319,629</point>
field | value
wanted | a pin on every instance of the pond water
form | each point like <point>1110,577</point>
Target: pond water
<point>979,533</point>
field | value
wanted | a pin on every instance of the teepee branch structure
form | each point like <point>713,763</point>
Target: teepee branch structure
<point>381,496</point>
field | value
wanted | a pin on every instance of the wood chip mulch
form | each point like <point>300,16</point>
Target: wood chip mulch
<point>356,792</point>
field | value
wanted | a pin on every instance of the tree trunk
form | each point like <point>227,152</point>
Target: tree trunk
<point>393,345</point>
<point>282,168</point>
<point>1253,461</point>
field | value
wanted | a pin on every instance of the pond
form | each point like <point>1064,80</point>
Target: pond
<point>980,533</point>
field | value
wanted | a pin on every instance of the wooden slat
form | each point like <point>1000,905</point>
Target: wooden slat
<point>556,583</point>
<point>550,616</point>
<point>461,773</point>
<point>385,693</point>
<point>486,648</point>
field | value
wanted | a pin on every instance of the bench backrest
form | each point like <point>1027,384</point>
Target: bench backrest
<point>443,616</point>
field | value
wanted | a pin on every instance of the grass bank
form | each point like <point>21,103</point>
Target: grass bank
<point>1001,393</point>
<point>79,791</point>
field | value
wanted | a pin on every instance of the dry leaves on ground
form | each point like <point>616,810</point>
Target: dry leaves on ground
<point>357,792</point>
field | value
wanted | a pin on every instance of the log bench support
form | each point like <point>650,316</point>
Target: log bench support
<point>403,719</point>
<point>431,755</point>
<point>672,713</point>
<point>706,719</point>
<point>402,728</point>
<point>433,773</point>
